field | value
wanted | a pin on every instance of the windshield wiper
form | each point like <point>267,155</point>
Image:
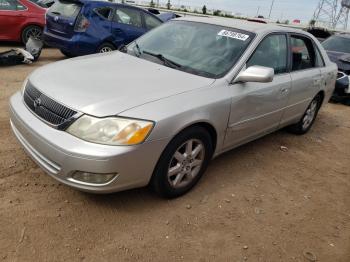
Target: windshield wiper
<point>56,13</point>
<point>138,49</point>
<point>165,60</point>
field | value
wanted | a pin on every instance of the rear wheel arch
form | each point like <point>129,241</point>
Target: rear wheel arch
<point>322,95</point>
<point>26,26</point>
<point>103,43</point>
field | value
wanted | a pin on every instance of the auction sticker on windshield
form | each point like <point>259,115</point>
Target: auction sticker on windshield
<point>235,35</point>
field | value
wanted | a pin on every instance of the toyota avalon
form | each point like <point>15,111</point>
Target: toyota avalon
<point>158,111</point>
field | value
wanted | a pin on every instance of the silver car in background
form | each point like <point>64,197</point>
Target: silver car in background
<point>159,111</point>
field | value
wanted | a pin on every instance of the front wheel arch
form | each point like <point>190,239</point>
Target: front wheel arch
<point>155,182</point>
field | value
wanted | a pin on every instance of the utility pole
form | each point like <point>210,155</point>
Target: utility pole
<point>273,1</point>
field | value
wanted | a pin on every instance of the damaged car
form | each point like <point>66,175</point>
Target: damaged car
<point>86,27</point>
<point>338,49</point>
<point>182,94</point>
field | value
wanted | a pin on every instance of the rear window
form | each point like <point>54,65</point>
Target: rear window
<point>67,9</point>
<point>39,3</point>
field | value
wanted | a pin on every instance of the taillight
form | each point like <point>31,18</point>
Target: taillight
<point>81,24</point>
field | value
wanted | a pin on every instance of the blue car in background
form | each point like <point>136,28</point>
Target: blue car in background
<point>85,27</point>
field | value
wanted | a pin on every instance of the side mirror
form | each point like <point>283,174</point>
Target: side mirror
<point>259,74</point>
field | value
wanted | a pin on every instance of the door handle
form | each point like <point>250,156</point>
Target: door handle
<point>284,90</point>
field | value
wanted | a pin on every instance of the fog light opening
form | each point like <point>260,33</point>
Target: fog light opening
<point>93,178</point>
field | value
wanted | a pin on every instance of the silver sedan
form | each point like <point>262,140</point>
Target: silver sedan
<point>160,109</point>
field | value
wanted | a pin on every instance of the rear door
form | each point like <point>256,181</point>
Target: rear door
<point>12,16</point>
<point>61,17</point>
<point>126,25</point>
<point>306,77</point>
<point>102,17</point>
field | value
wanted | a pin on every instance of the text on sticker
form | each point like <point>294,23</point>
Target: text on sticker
<point>235,35</point>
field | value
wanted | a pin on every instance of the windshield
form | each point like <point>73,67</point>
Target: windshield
<point>337,44</point>
<point>197,48</point>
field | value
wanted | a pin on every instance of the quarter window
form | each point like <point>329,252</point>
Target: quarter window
<point>104,12</point>
<point>303,53</point>
<point>319,59</point>
<point>128,16</point>
<point>271,52</point>
<point>151,22</point>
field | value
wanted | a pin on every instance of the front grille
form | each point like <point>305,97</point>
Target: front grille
<point>46,108</point>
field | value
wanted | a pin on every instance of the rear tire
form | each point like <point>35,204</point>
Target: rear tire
<point>32,30</point>
<point>105,48</point>
<point>182,163</point>
<point>308,119</point>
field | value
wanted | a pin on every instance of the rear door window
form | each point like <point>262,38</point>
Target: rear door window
<point>319,59</point>
<point>128,16</point>
<point>67,9</point>
<point>151,22</point>
<point>104,12</point>
<point>303,53</point>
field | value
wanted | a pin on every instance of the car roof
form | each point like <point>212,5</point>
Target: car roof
<point>250,26</point>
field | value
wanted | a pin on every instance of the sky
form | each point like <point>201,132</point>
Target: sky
<point>282,10</point>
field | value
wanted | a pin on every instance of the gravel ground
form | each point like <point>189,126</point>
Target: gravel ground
<point>255,203</point>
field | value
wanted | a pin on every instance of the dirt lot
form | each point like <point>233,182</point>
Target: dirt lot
<point>256,203</point>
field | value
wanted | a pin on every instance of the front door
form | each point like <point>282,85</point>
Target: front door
<point>257,108</point>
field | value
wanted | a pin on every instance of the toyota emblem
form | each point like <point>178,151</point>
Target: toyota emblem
<point>37,102</point>
<point>55,18</point>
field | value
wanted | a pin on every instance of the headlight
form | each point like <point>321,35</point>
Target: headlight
<point>111,130</point>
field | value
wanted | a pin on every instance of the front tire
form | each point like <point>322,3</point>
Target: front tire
<point>309,117</point>
<point>182,163</point>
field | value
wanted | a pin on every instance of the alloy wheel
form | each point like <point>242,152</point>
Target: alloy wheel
<point>106,49</point>
<point>35,32</point>
<point>186,163</point>
<point>310,114</point>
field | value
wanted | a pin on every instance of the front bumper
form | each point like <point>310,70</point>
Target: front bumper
<point>342,86</point>
<point>60,154</point>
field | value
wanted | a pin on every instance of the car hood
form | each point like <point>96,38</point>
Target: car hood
<point>108,84</point>
<point>341,59</point>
